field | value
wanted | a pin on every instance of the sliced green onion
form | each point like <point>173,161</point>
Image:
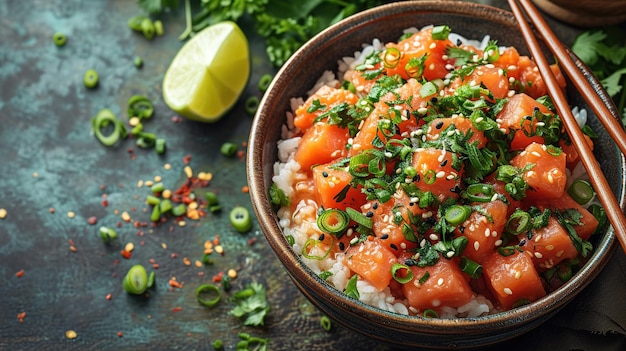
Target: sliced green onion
<point>156,214</point>
<point>240,219</point>
<point>326,323</point>
<point>492,52</point>
<point>480,192</point>
<point>519,222</point>
<point>314,243</point>
<point>157,187</point>
<point>107,234</point>
<point>441,32</point>
<point>215,208</point>
<point>428,89</point>
<point>290,240</point>
<point>140,106</point>
<point>207,289</point>
<point>265,81</point>
<point>507,250</point>
<point>103,119</point>
<point>473,269</point>
<point>251,104</point>
<point>333,221</point>
<point>151,279</point>
<point>581,191</point>
<point>401,273</point>
<point>564,272</point>
<point>136,280</point>
<point>158,27</point>
<point>457,214</point>
<point>59,39</point>
<point>228,149</point>
<point>134,23</point>
<point>147,28</point>
<point>165,206</point>
<point>429,177</point>
<point>179,210</point>
<point>391,57</point>
<point>431,314</point>
<point>90,79</point>
<point>159,146</point>
<point>138,62</point>
<point>211,198</point>
<point>415,67</point>
<point>137,129</point>
<point>218,345</point>
<point>359,218</point>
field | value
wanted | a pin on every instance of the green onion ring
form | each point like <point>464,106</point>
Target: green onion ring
<point>136,280</point>
<point>333,221</point>
<point>315,242</point>
<point>431,314</point>
<point>140,106</point>
<point>402,268</point>
<point>581,191</point>
<point>326,323</point>
<point>359,217</point>
<point>240,219</point>
<point>59,39</point>
<point>251,104</point>
<point>102,119</point>
<point>265,81</point>
<point>480,192</point>
<point>208,288</point>
<point>473,269</point>
<point>90,79</point>
<point>519,222</point>
<point>457,214</point>
<point>391,57</point>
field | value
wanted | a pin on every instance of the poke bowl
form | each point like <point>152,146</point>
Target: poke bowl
<point>373,221</point>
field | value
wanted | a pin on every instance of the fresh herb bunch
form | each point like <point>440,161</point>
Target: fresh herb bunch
<point>604,51</point>
<point>284,24</point>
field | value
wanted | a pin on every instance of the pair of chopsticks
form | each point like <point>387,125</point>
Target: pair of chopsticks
<point>615,130</point>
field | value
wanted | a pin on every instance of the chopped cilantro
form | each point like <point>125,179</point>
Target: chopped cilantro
<point>251,304</point>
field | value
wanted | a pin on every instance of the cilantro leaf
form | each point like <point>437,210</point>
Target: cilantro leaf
<point>612,82</point>
<point>585,46</point>
<point>251,304</point>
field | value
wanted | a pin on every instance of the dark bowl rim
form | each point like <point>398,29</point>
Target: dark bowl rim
<point>266,214</point>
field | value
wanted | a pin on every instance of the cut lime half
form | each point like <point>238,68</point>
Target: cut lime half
<point>209,73</point>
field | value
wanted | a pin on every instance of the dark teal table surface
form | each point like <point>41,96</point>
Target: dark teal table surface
<point>51,165</point>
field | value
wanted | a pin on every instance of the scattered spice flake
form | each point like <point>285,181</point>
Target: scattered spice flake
<point>72,247</point>
<point>20,273</point>
<point>108,296</point>
<point>35,175</point>
<point>126,254</point>
<point>125,216</point>
<point>129,247</point>
<point>177,119</point>
<point>251,241</point>
<point>186,159</point>
<point>218,277</point>
<point>71,214</point>
<point>245,189</point>
<point>51,210</point>
<point>219,249</point>
<point>92,220</point>
<point>241,154</point>
<point>21,316</point>
<point>232,273</point>
<point>186,261</point>
<point>177,309</point>
<point>167,166</point>
<point>71,334</point>
<point>175,284</point>
<point>198,264</point>
<point>120,334</point>
<point>164,246</point>
<point>3,213</point>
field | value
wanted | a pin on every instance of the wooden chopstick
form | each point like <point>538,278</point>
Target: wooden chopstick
<point>603,189</point>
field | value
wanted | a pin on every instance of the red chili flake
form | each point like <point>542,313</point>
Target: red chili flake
<point>218,277</point>
<point>21,316</point>
<point>105,203</point>
<point>173,255</point>
<point>108,296</point>
<point>241,154</point>
<point>244,144</point>
<point>120,334</point>
<point>51,210</point>
<point>186,159</point>
<point>245,189</point>
<point>102,187</point>
<point>92,220</point>
<point>177,119</point>
<point>20,273</point>
<point>177,309</point>
<point>130,150</point>
<point>175,284</point>
<point>200,274</point>
<point>155,266</point>
<point>116,262</point>
<point>126,254</point>
<point>152,261</point>
<point>119,224</point>
<point>251,241</point>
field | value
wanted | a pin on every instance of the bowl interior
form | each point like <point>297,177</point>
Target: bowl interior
<point>301,72</point>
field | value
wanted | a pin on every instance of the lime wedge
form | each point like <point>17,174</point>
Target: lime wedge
<point>209,73</point>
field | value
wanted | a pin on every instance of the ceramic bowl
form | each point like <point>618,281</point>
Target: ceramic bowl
<point>588,13</point>
<point>301,72</point>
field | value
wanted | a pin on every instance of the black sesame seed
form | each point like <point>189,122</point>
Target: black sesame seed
<point>370,190</point>
<point>410,262</point>
<point>384,236</point>
<point>341,246</point>
<point>461,229</point>
<point>375,205</point>
<point>417,178</point>
<point>522,242</point>
<point>325,174</point>
<point>393,246</point>
<point>439,125</point>
<point>369,214</point>
<point>321,238</point>
<point>444,163</point>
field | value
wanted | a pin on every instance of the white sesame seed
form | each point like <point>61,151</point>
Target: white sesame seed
<point>440,281</point>
<point>535,153</point>
<point>498,242</point>
<point>508,291</point>
<point>433,237</point>
<point>494,234</point>
<point>441,174</point>
<point>476,245</point>
<point>538,255</point>
<point>450,254</point>
<point>494,197</point>
<point>487,232</point>
<point>518,274</point>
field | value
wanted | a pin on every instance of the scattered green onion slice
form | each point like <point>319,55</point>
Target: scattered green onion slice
<point>457,214</point>
<point>140,106</point>
<point>520,303</point>
<point>136,280</point>
<point>265,81</point>
<point>359,218</point>
<point>519,222</point>
<point>326,323</point>
<point>492,52</point>
<point>156,214</point>
<point>107,234</point>
<point>215,208</point>
<point>147,28</point>
<point>179,210</point>
<point>441,32</point>
<point>151,278</point>
<point>152,200</point>
<point>134,23</point>
<point>333,221</point>
<point>208,289</point>
<point>158,27</point>
<point>228,149</point>
<point>470,267</point>
<point>218,345</point>
<point>103,119</point>
<point>397,269</point>
<point>138,62</point>
<point>211,198</point>
<point>290,240</point>
<point>391,57</point>
<point>59,39</point>
<point>165,206</point>
<point>240,219</point>
<point>157,187</point>
<point>314,243</point>
<point>581,191</point>
<point>480,192</point>
<point>428,89</point>
<point>90,79</point>
<point>564,272</point>
<point>431,314</point>
<point>159,146</point>
<point>251,104</point>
